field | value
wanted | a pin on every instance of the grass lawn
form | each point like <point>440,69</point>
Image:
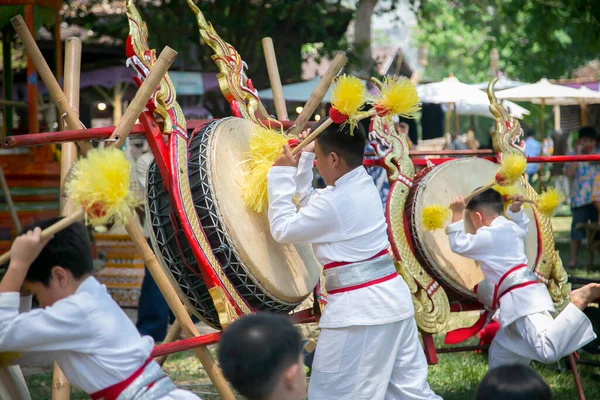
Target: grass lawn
<point>455,377</point>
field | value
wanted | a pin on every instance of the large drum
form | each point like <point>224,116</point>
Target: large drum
<point>458,275</point>
<point>268,275</point>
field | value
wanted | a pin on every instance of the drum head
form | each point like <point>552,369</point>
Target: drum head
<point>451,179</point>
<point>287,272</point>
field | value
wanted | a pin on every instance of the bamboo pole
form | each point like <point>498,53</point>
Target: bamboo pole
<point>12,384</point>
<point>68,153</point>
<point>9,202</point>
<point>317,95</point>
<point>542,112</point>
<point>135,108</point>
<point>274,78</point>
<point>58,97</point>
<point>61,388</point>
<point>175,304</point>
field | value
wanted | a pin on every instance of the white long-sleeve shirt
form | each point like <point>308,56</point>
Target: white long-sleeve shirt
<point>498,248</point>
<point>95,344</point>
<point>344,223</point>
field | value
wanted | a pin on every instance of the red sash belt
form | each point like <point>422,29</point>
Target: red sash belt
<point>339,264</point>
<point>459,335</point>
<point>113,392</point>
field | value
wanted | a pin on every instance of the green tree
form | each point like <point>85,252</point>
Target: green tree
<point>291,24</point>
<point>535,38</point>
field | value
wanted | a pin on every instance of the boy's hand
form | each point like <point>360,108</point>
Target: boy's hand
<point>286,159</point>
<point>310,148</point>
<point>458,204</point>
<point>26,248</point>
<point>517,203</point>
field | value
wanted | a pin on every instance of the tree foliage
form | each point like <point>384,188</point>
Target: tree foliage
<point>291,24</point>
<point>535,38</point>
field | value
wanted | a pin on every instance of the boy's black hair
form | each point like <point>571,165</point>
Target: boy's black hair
<point>530,133</point>
<point>337,139</point>
<point>69,248</point>
<point>587,132</point>
<point>489,199</point>
<point>515,382</point>
<point>255,350</point>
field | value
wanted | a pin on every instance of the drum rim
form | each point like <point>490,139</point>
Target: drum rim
<point>167,267</point>
<point>206,147</point>
<point>419,242</point>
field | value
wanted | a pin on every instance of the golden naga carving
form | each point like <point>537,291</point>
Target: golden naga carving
<point>141,58</point>
<point>235,85</point>
<point>432,309</point>
<point>507,138</point>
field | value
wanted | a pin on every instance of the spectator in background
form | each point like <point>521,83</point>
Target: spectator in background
<point>261,355</point>
<point>514,382</point>
<point>533,148</point>
<point>560,181</point>
<point>582,176</point>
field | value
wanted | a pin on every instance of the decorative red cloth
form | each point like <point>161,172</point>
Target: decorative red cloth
<point>113,392</point>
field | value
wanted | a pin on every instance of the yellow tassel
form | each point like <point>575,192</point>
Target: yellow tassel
<point>100,183</point>
<point>433,216</point>
<point>348,95</point>
<point>399,97</point>
<point>7,357</point>
<point>265,147</point>
<point>513,166</point>
<point>548,201</point>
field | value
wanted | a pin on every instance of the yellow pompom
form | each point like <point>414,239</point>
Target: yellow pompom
<point>398,97</point>
<point>7,357</point>
<point>548,201</point>
<point>433,216</point>
<point>265,147</point>
<point>348,95</point>
<point>100,183</point>
<point>504,192</point>
<point>513,166</point>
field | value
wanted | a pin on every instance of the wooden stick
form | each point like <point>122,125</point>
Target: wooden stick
<point>170,295</point>
<point>68,151</point>
<point>273,70</point>
<point>135,108</point>
<point>12,384</point>
<point>51,230</point>
<point>43,69</point>
<point>172,336</point>
<point>479,191</point>
<point>61,388</point>
<point>324,125</point>
<point>9,202</point>
<point>317,95</point>
<point>313,135</point>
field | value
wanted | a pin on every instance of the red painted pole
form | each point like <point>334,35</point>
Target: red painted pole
<point>185,344</point>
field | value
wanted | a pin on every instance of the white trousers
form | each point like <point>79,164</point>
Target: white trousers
<point>541,338</point>
<point>370,362</point>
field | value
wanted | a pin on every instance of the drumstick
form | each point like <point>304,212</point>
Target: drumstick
<point>51,230</point>
<point>317,95</point>
<point>324,125</point>
<point>273,70</point>
<point>135,108</point>
<point>58,97</point>
<point>508,198</point>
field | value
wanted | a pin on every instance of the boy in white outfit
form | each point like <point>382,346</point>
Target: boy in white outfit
<point>527,330</point>
<point>79,325</point>
<point>369,346</point>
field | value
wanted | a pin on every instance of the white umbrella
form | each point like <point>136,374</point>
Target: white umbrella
<point>502,83</point>
<point>584,96</point>
<point>483,109</point>
<point>468,99</point>
<point>536,92</point>
<point>540,92</point>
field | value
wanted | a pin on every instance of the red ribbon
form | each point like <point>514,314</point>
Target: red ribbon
<point>462,334</point>
<point>337,116</point>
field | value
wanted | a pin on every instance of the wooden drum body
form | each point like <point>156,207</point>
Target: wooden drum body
<point>457,275</point>
<point>248,263</point>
